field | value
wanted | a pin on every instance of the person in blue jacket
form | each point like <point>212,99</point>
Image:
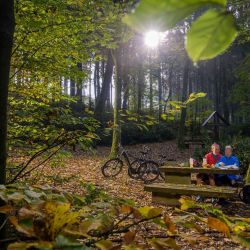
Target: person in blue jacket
<point>230,161</point>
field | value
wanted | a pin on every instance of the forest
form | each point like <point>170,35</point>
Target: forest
<point>124,124</point>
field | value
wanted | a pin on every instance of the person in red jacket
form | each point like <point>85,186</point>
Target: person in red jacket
<point>209,161</point>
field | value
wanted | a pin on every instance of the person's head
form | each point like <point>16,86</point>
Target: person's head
<point>215,148</point>
<point>228,151</point>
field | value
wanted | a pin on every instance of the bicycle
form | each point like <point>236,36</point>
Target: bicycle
<point>146,170</point>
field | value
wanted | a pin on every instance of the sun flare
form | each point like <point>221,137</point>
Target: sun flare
<point>152,39</point>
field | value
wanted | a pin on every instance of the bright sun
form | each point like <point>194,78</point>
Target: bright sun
<point>152,39</point>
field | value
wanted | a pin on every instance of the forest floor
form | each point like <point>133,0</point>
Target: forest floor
<point>86,168</point>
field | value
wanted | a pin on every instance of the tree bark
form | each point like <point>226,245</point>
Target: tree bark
<point>125,77</point>
<point>7,27</point>
<point>159,91</point>
<point>105,92</point>
<point>117,103</point>
<point>184,109</point>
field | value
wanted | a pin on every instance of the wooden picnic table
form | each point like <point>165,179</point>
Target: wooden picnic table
<point>182,175</point>
<point>178,182</point>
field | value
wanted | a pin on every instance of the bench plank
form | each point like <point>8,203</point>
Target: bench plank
<point>177,169</point>
<point>170,194</point>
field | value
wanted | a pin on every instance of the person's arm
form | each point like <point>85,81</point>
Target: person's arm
<point>237,163</point>
<point>220,163</point>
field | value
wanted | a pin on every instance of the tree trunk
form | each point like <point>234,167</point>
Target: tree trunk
<point>117,103</point>
<point>150,84</point>
<point>125,78</point>
<point>140,88</point>
<point>159,91</point>
<point>183,110</point>
<point>72,88</point>
<point>90,87</point>
<point>97,77</point>
<point>105,92</point>
<point>7,26</point>
<point>7,21</point>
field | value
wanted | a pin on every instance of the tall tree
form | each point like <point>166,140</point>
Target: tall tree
<point>117,102</point>
<point>107,78</point>
<point>7,20</point>
<point>183,98</point>
<point>7,27</point>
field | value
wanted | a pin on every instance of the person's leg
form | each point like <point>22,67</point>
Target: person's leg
<point>220,180</point>
<point>211,180</point>
<point>200,179</point>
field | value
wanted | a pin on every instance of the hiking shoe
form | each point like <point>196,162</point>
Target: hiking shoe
<point>199,199</point>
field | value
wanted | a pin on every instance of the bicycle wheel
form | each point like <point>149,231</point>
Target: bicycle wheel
<point>149,171</point>
<point>112,167</point>
<point>133,169</point>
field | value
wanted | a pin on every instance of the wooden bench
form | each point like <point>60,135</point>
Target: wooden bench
<point>170,194</point>
<point>178,182</point>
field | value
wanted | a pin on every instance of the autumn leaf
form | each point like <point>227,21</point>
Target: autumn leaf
<point>217,224</point>
<point>162,244</point>
<point>6,209</point>
<point>104,244</point>
<point>129,237</point>
<point>170,224</point>
<point>126,209</point>
<point>22,228</point>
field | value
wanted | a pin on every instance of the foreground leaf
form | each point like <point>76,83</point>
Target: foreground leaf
<point>64,243</point>
<point>187,204</point>
<point>244,241</point>
<point>41,245</point>
<point>217,224</point>
<point>104,244</point>
<point>164,14</point>
<point>170,225</point>
<point>210,35</point>
<point>27,230</point>
<point>129,237</point>
<point>161,244</point>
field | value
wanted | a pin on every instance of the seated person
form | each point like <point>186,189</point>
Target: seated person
<point>209,161</point>
<point>228,160</point>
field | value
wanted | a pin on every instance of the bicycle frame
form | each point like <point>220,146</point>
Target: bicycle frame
<point>125,156</point>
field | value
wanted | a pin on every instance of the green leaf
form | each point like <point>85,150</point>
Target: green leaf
<point>164,14</point>
<point>33,194</point>
<point>193,96</point>
<point>68,244</point>
<point>210,35</point>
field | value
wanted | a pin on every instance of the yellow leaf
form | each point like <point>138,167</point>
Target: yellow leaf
<point>149,212</point>
<point>187,204</point>
<point>218,225</point>
<point>58,216</point>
